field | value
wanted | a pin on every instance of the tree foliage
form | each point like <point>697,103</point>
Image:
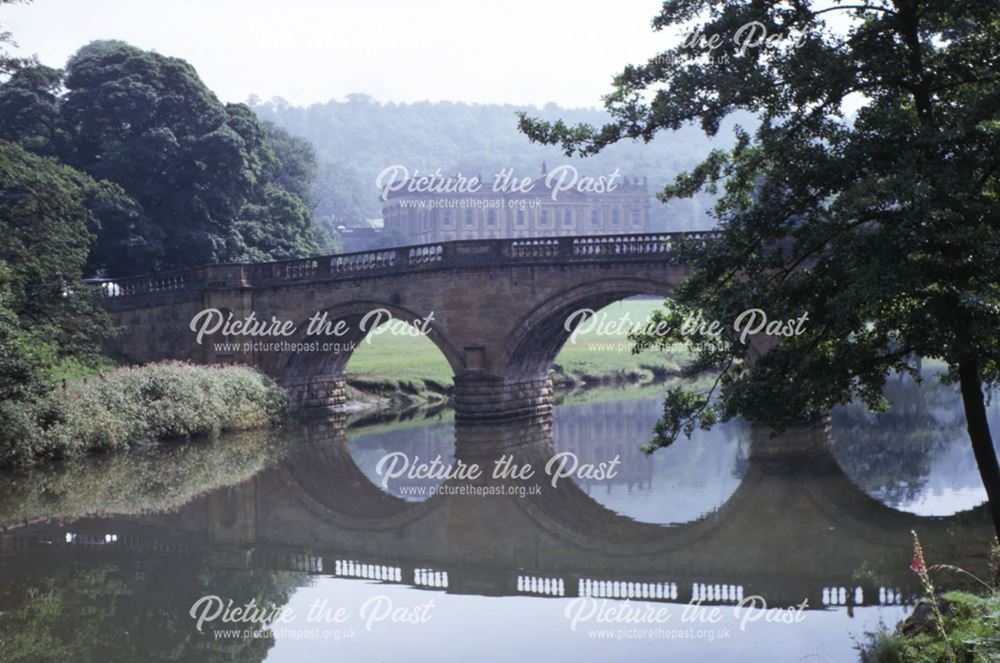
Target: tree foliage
<point>882,226</point>
<point>210,182</point>
<point>47,211</point>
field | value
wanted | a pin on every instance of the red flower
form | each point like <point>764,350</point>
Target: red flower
<point>917,565</point>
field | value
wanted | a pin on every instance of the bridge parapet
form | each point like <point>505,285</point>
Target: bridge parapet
<point>444,255</point>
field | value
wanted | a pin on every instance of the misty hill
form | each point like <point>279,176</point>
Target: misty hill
<point>358,137</point>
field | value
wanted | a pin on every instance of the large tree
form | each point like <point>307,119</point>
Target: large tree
<point>882,225</point>
<point>211,182</point>
<point>48,222</point>
<point>201,170</point>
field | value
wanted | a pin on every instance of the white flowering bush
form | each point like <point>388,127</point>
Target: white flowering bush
<point>155,402</point>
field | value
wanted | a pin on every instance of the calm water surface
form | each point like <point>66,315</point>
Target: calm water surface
<point>103,560</point>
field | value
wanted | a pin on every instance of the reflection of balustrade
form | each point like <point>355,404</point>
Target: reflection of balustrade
<point>616,589</point>
<point>843,596</point>
<point>569,582</point>
<point>352,569</point>
<point>299,562</point>
<point>106,541</point>
<point>546,586</point>
<point>430,578</point>
<point>715,593</point>
<point>890,596</point>
<point>305,563</point>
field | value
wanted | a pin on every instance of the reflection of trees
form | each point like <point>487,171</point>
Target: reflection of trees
<point>160,478</point>
<point>889,455</point>
<point>128,611</point>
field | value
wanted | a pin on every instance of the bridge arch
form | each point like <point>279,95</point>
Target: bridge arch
<point>315,374</point>
<point>539,336</point>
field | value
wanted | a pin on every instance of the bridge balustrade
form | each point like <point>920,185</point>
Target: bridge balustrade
<point>461,253</point>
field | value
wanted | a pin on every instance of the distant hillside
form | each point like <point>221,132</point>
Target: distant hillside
<point>356,138</point>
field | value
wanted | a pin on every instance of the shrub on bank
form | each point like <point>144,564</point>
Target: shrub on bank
<point>954,627</point>
<point>133,405</point>
<point>971,625</point>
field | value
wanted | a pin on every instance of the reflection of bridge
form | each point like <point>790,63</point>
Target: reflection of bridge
<point>795,528</point>
<point>495,308</point>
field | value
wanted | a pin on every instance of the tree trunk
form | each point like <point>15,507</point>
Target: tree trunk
<point>979,434</point>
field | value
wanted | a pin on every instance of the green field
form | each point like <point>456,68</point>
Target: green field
<point>600,352</point>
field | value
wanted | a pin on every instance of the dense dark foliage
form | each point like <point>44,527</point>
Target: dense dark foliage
<point>125,163</point>
<point>209,180</point>
<point>46,313</point>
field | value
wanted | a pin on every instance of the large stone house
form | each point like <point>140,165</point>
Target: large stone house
<point>438,217</point>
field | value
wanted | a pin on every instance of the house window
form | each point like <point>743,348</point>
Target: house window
<point>595,218</point>
<point>520,223</point>
<point>544,221</point>
<point>616,219</point>
<point>491,218</point>
<point>470,221</point>
<point>568,218</point>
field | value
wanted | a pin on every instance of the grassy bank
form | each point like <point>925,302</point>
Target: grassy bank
<point>130,406</point>
<point>971,633</point>
<point>411,364</point>
<point>952,627</point>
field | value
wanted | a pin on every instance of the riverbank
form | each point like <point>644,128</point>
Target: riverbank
<point>137,405</point>
<point>958,626</point>
<point>971,633</point>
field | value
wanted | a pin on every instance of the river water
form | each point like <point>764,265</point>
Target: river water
<point>734,545</point>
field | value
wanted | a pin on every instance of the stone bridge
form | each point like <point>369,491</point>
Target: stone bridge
<point>496,309</point>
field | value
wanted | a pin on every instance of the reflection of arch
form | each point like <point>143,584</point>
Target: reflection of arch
<point>305,364</point>
<point>794,470</point>
<point>581,520</point>
<point>840,500</point>
<point>791,480</point>
<point>567,511</point>
<point>538,337</point>
<point>332,486</point>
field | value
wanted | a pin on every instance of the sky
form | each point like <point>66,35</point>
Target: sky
<point>308,51</point>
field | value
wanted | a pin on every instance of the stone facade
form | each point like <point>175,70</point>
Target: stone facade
<point>424,218</point>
